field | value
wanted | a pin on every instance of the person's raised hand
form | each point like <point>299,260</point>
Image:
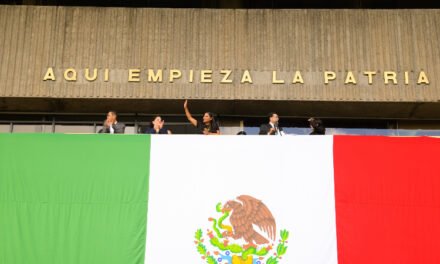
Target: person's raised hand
<point>108,122</point>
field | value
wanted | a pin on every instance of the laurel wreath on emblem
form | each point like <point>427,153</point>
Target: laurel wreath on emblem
<point>240,243</point>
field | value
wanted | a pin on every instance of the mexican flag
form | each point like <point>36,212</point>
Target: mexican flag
<point>133,199</point>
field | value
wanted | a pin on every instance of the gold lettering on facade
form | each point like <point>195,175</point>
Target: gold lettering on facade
<point>297,78</point>
<point>226,74</point>
<point>329,76</point>
<point>87,74</point>
<point>275,80</point>
<point>191,76</point>
<point>389,76</point>
<point>106,75</point>
<point>423,79</point>
<point>349,79</point>
<point>370,76</point>
<point>175,74</point>
<point>155,76</point>
<point>246,77</point>
<point>50,75</point>
<point>206,76</point>
<point>134,75</point>
<point>70,75</point>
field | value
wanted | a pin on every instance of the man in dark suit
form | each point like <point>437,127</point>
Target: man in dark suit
<point>111,124</point>
<point>272,128</point>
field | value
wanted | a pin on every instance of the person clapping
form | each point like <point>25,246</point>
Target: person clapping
<point>111,124</point>
<point>158,126</point>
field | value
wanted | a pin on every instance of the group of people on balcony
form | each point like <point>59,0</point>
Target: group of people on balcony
<point>208,125</point>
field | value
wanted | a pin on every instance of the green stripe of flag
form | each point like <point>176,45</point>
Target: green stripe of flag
<point>73,198</point>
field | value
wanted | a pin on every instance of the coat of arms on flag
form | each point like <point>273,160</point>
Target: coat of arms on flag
<point>249,237</point>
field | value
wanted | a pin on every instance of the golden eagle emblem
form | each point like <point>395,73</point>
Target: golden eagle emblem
<point>247,212</point>
<point>249,239</point>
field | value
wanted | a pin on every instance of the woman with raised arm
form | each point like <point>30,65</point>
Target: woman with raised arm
<point>208,125</point>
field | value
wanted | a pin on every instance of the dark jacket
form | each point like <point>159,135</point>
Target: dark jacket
<point>318,131</point>
<point>119,128</point>
<point>151,130</point>
<point>265,128</point>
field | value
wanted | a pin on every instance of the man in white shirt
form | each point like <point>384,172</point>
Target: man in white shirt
<point>111,124</point>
